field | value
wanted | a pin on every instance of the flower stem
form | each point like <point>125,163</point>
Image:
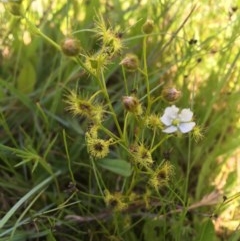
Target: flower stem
<point>125,81</point>
<point>188,170</point>
<point>105,92</point>
<point>153,138</point>
<point>160,143</point>
<point>96,176</point>
<point>145,71</point>
<point>39,32</point>
<point>125,128</point>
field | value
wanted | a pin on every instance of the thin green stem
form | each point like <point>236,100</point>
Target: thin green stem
<point>39,32</point>
<point>188,170</point>
<point>160,143</point>
<point>125,128</point>
<point>133,181</point>
<point>152,90</point>
<point>95,94</point>
<point>80,62</point>
<point>125,81</point>
<point>145,70</point>
<point>109,133</point>
<point>68,157</point>
<point>96,177</point>
<point>153,138</point>
<point>105,92</point>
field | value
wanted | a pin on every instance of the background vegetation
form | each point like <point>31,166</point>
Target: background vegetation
<point>50,186</point>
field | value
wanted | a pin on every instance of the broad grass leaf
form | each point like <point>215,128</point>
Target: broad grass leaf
<point>118,166</point>
<point>207,232</point>
<point>26,79</point>
<point>50,237</point>
<point>235,236</point>
<point>26,198</point>
<point>231,179</point>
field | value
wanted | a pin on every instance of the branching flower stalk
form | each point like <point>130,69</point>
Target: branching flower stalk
<point>140,155</point>
<point>101,80</point>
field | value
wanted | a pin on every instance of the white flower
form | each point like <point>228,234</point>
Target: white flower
<point>176,120</point>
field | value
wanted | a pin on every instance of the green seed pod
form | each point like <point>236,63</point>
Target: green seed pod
<point>132,104</point>
<point>130,62</point>
<point>171,94</point>
<point>71,46</point>
<point>147,27</point>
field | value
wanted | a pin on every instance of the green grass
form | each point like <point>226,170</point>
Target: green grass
<point>75,156</point>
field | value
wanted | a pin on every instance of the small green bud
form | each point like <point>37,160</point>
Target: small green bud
<point>171,94</point>
<point>71,46</point>
<point>130,62</point>
<point>147,27</point>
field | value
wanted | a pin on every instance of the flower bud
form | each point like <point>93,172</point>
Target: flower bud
<point>71,46</point>
<point>171,94</point>
<point>132,104</point>
<point>130,62</point>
<point>147,27</point>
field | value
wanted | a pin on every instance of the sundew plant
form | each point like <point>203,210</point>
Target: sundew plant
<point>119,120</point>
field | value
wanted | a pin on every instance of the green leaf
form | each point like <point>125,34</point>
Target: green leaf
<point>207,232</point>
<point>26,79</point>
<point>21,96</point>
<point>235,236</point>
<point>25,198</point>
<point>153,230</point>
<point>50,237</point>
<point>117,166</point>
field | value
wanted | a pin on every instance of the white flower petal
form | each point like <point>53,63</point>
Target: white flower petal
<point>170,129</point>
<point>172,111</point>
<point>186,127</point>
<point>186,115</point>
<point>166,120</point>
